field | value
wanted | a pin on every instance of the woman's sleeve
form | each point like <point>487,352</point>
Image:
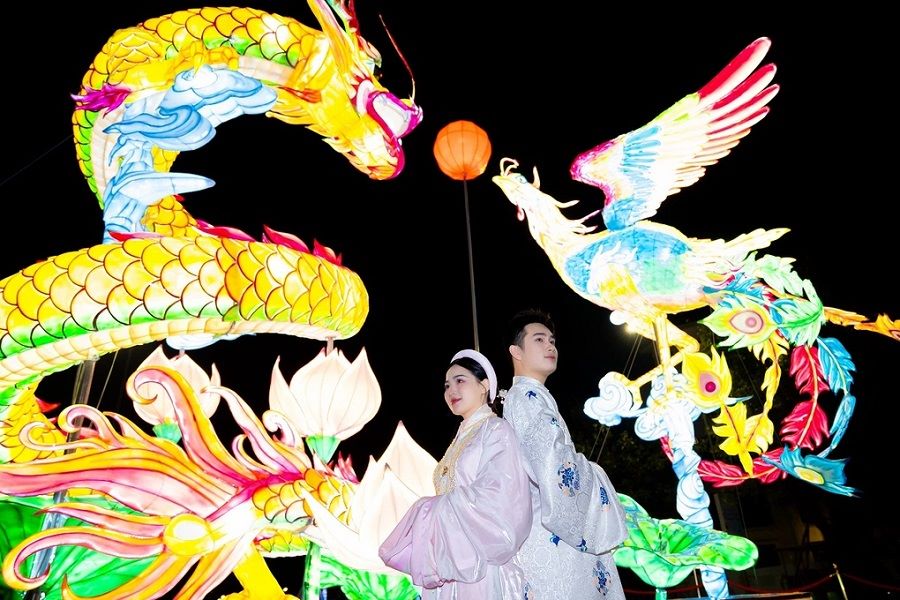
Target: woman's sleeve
<point>455,536</point>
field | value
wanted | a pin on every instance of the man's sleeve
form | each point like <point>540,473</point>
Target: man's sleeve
<point>578,502</point>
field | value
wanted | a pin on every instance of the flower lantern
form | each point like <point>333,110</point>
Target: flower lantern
<point>328,399</point>
<point>388,488</point>
<point>160,412</point>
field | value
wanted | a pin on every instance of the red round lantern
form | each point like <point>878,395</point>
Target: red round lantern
<point>462,150</point>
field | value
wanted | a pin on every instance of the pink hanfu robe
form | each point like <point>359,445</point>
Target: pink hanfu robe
<point>462,543</point>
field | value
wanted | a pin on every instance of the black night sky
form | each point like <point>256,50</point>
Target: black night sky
<point>545,82</point>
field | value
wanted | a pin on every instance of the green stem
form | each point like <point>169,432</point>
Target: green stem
<point>312,573</point>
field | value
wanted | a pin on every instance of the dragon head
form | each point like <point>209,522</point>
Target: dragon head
<point>336,93</point>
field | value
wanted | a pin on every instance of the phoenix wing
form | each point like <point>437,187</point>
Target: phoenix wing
<point>640,169</point>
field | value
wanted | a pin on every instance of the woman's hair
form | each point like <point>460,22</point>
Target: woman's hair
<point>471,365</point>
<point>474,367</point>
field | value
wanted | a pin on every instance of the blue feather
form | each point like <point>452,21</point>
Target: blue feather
<point>841,421</point>
<point>836,364</point>
<point>644,135</point>
<point>742,284</point>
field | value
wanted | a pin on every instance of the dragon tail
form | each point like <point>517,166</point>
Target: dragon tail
<point>18,408</point>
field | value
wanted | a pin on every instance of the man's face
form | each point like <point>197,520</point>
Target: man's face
<point>537,355</point>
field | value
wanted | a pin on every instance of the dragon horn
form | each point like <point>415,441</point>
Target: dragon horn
<point>347,14</point>
<point>338,38</point>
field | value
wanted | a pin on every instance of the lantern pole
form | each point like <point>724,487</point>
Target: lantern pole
<point>471,263</point>
<point>80,394</point>
<point>462,149</point>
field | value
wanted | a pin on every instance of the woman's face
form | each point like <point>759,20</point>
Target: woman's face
<point>463,392</point>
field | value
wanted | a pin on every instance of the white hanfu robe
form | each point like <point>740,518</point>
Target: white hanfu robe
<point>462,543</point>
<point>578,519</point>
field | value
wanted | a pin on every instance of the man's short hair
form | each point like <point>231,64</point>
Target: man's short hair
<point>524,318</point>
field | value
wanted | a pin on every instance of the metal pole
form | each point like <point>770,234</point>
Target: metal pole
<point>840,581</point>
<point>471,264</point>
<point>80,394</point>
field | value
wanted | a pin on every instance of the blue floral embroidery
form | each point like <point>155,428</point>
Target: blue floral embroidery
<point>531,394</point>
<point>604,497</point>
<point>569,479</point>
<point>553,421</point>
<point>583,545</point>
<point>527,590</point>
<point>554,538</point>
<point>601,576</point>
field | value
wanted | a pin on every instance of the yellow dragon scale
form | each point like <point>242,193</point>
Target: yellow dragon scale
<point>173,275</point>
<point>83,304</point>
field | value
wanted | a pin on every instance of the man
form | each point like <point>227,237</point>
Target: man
<point>578,519</point>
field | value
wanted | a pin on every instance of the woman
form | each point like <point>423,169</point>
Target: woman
<point>462,543</point>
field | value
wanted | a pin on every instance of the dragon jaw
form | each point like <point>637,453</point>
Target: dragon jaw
<point>396,118</point>
<point>369,128</point>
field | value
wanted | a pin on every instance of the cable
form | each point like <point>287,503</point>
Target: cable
<point>684,588</point>
<point>629,364</point>
<point>802,588</point>
<point>858,579</point>
<point>108,375</point>
<point>46,152</point>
